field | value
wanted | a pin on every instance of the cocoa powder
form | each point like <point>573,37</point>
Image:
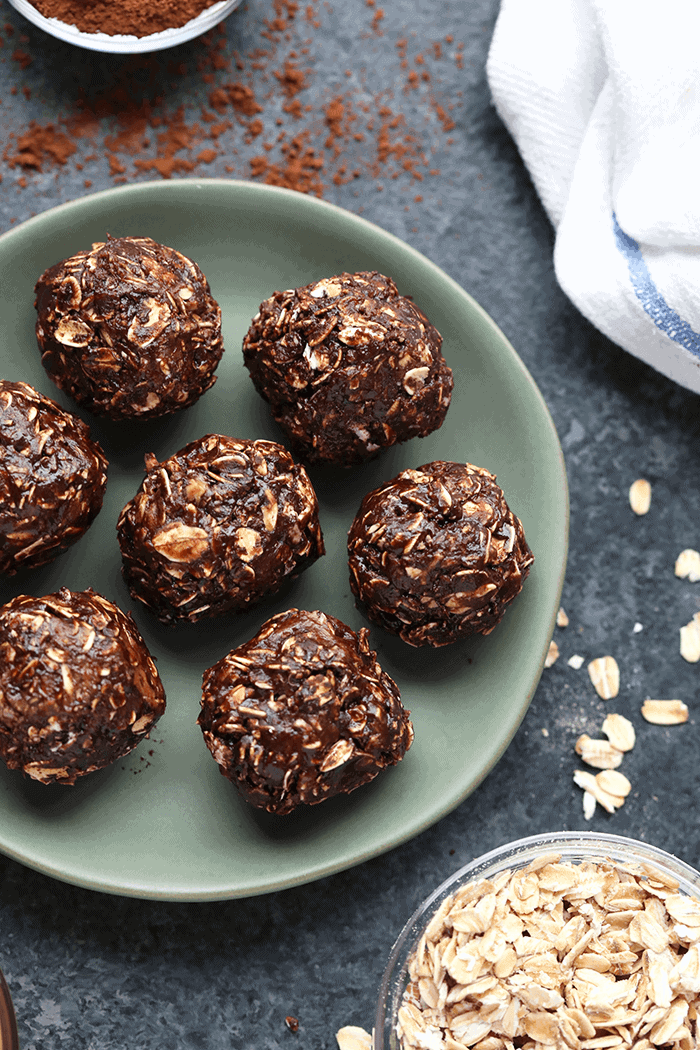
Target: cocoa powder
<point>250,116</point>
<point>128,17</point>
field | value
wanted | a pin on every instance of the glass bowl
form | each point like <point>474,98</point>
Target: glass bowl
<point>8,1024</point>
<point>128,45</point>
<point>572,846</point>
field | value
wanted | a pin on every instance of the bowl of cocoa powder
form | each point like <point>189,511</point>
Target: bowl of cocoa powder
<point>129,27</point>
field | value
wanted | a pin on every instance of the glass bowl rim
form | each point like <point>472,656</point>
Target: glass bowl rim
<point>516,853</point>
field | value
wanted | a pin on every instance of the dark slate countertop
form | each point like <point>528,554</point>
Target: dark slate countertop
<point>94,971</point>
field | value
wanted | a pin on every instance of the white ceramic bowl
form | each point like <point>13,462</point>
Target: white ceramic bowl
<point>128,45</point>
<point>573,846</point>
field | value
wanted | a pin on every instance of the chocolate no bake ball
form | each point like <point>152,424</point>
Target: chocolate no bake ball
<point>435,554</point>
<point>216,527</point>
<point>52,478</point>
<point>302,712</point>
<point>78,687</point>
<point>348,366</point>
<point>129,328</point>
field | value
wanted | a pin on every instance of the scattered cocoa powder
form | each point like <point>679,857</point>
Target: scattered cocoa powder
<point>128,17</point>
<point>376,21</point>
<point>39,145</point>
<point>22,57</point>
<point>350,134</point>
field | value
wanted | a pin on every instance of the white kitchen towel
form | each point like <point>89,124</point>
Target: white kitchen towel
<point>602,98</point>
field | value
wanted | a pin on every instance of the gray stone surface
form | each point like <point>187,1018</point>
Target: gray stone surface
<point>95,972</point>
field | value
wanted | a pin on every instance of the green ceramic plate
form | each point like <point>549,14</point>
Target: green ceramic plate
<point>163,822</point>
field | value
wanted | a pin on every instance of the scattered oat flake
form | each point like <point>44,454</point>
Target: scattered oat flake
<point>562,618</point>
<point>353,1038</point>
<point>640,496</point>
<point>552,654</point>
<point>638,627</point>
<point>665,712</point>
<point>688,565</point>
<point>619,731</point>
<point>575,661</point>
<point>605,676</point>
<point>614,782</point>
<point>598,753</point>
<point>589,804</point>
<point>690,640</point>
<point>586,780</point>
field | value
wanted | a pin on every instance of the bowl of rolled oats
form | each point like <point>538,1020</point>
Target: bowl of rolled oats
<point>571,940</point>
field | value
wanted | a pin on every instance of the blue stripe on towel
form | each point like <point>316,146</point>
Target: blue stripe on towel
<point>649,295</point>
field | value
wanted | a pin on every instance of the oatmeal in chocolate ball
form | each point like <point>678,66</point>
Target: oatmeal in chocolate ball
<point>216,527</point>
<point>78,687</point>
<point>435,554</point>
<point>129,328</point>
<point>302,712</point>
<point>348,366</point>
<point>52,478</point>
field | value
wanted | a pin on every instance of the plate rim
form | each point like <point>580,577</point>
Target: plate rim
<point>339,863</point>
